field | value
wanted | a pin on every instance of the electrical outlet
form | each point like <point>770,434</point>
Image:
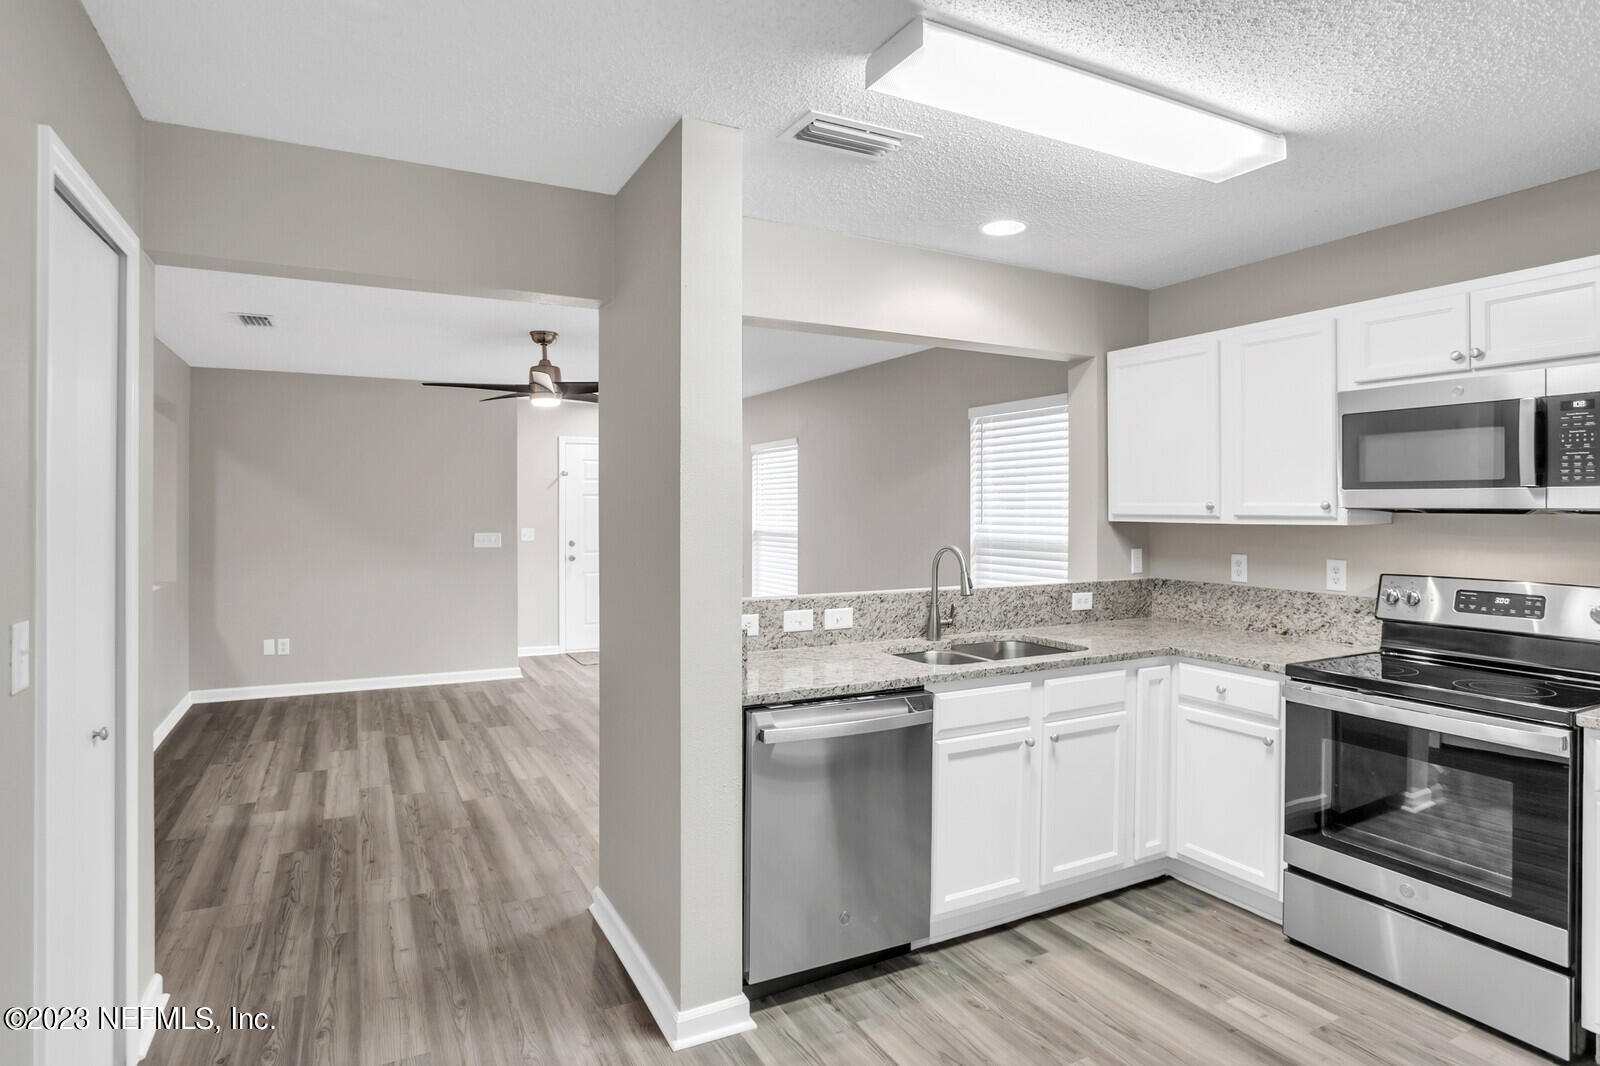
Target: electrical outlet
<point>1241,568</point>
<point>527,534</point>
<point>21,656</point>
<point>283,645</point>
<point>751,624</point>
<point>1136,561</point>
<point>486,540</point>
<point>1082,601</point>
<point>1336,575</point>
<point>797,621</point>
<point>839,618</point>
<point>269,647</point>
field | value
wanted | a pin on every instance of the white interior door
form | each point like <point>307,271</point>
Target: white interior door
<point>78,653</point>
<point>580,545</point>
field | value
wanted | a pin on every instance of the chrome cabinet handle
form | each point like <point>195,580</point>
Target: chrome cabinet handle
<point>1029,742</point>
<point>1268,741</point>
<point>1477,353</point>
<point>1457,356</point>
<point>103,733</point>
<point>1055,738</point>
<point>1222,690</point>
<point>1327,506</point>
<point>1211,507</point>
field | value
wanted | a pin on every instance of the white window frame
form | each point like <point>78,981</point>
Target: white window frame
<point>763,584</point>
<point>984,564</point>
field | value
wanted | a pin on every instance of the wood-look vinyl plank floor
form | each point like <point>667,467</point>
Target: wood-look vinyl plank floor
<point>401,878</point>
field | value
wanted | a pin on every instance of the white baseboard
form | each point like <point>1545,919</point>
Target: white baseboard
<point>682,1028</point>
<point>170,722</point>
<point>538,649</point>
<point>139,1039</point>
<point>359,684</point>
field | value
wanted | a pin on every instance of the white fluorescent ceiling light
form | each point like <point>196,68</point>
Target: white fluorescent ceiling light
<point>945,68</point>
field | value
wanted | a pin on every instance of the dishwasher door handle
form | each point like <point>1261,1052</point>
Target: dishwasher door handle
<point>853,728</point>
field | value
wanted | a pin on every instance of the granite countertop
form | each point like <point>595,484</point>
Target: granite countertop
<point>1588,719</point>
<point>845,669</point>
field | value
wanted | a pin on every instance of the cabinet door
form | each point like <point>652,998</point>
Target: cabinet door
<point>1226,814</point>
<point>1084,780</point>
<point>1537,319</point>
<point>1152,761</point>
<point>1161,431</point>
<point>1404,337</point>
<point>985,804</point>
<point>1279,421</point>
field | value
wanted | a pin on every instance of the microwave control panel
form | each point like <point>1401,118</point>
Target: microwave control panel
<point>1573,449</point>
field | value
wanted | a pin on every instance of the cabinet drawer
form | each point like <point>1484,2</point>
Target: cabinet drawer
<point>1066,695</point>
<point>981,709</point>
<point>1227,689</point>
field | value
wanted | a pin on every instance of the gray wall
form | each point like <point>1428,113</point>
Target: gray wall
<point>54,70</point>
<point>164,667</point>
<point>339,512</point>
<point>885,471</point>
<point>538,507</point>
<point>1545,224</point>
<point>670,822</point>
<point>242,203</point>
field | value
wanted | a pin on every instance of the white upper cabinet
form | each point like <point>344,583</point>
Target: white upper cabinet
<point>1280,431</point>
<point>1415,335</point>
<point>1535,317</point>
<point>1162,431</point>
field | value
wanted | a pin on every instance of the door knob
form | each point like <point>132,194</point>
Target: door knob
<point>103,733</point>
<point>1457,356</point>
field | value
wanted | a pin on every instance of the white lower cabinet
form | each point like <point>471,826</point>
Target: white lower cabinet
<point>1227,816</point>
<point>1041,784</point>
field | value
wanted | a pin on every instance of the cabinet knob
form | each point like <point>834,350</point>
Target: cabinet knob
<point>1268,741</point>
<point>1326,505</point>
<point>572,558</point>
<point>1211,507</point>
<point>1222,690</point>
<point>1477,353</point>
<point>1457,356</point>
<point>1029,742</point>
<point>1055,738</point>
<point>102,733</point>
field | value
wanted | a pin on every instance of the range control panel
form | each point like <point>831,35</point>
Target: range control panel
<point>1573,449</point>
<point>1503,604</point>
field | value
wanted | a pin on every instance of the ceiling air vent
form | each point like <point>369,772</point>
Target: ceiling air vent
<point>848,135</point>
<point>250,318</point>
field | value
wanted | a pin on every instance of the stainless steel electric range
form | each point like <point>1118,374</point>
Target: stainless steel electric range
<point>1431,799</point>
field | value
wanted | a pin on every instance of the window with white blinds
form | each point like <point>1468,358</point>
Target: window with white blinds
<point>775,518</point>
<point>1019,492</point>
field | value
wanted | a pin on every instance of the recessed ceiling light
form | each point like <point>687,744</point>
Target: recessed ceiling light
<point>945,68</point>
<point>1003,227</point>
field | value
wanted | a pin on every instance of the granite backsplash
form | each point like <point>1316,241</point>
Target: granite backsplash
<point>902,614</point>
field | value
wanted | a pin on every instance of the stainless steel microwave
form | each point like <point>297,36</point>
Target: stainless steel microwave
<point>1485,442</point>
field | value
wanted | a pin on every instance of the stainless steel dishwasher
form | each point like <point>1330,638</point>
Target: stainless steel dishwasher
<point>837,820</point>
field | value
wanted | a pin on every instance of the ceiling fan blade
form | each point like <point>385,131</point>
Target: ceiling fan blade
<point>584,397</point>
<point>574,388</point>
<point>523,388</point>
<point>506,396</point>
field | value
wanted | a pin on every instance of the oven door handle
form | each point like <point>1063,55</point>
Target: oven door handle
<point>1523,736</point>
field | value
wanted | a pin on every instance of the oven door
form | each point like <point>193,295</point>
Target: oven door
<point>1453,445</point>
<point>1466,819</point>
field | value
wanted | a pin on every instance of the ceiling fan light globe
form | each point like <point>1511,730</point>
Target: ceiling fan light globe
<point>544,399</point>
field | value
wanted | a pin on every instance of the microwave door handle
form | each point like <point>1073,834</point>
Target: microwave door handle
<point>1523,736</point>
<point>1527,441</point>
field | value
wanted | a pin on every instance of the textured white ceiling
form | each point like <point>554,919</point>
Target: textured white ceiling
<point>778,358</point>
<point>1393,108</point>
<point>363,331</point>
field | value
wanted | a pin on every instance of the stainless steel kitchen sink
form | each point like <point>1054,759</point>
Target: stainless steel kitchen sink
<point>939,657</point>
<point>992,650</point>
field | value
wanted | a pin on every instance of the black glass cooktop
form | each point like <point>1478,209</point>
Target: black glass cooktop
<point>1515,695</point>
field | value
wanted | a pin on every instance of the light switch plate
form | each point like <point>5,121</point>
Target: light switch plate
<point>797,621</point>
<point>1337,575</point>
<point>839,618</point>
<point>1082,601</point>
<point>1240,570</point>
<point>751,624</point>
<point>269,647</point>
<point>1136,561</point>
<point>527,534</point>
<point>486,540</point>
<point>283,645</point>
<point>21,656</point>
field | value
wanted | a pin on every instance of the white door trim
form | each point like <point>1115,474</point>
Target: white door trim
<point>561,533</point>
<point>59,171</point>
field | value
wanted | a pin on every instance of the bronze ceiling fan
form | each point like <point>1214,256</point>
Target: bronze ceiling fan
<point>544,388</point>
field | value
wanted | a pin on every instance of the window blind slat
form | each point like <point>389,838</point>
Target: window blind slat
<point>1020,496</point>
<point>775,518</point>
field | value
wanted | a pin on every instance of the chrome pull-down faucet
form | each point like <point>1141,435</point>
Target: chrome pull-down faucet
<point>935,623</point>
